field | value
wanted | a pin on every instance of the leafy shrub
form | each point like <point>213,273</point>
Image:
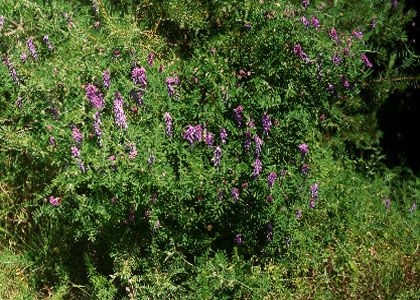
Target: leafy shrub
<point>136,130</point>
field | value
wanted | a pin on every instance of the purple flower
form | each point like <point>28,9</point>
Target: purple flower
<point>303,149</point>
<point>336,59</point>
<point>189,134</point>
<point>137,96</point>
<point>358,34</point>
<point>208,138</point>
<point>47,42</point>
<point>345,82</point>
<point>237,115</point>
<point>373,24</point>
<point>387,203</point>
<point>94,96</point>
<point>119,114</point>
<point>106,78</point>
<point>223,135</point>
<point>75,152</point>
<point>52,141</point>
<point>55,201</point>
<point>235,194</point>
<point>247,143</point>
<point>312,203</point>
<point>81,165</point>
<point>269,232</point>
<point>305,169</point>
<point>257,168</point>
<point>97,124</point>
<point>272,177</point>
<point>170,82</point>
<point>76,134</point>
<point>150,59</point>
<point>12,70</point>
<point>315,22</point>
<point>394,4</point>
<point>248,26</point>
<point>413,207</point>
<point>139,76</point>
<point>305,3</point>
<point>305,21</point>
<point>314,191</point>
<point>161,68</point>
<point>198,133</point>
<point>168,121</point>
<point>366,61</point>
<point>238,239</point>
<point>270,199</point>
<point>213,50</point>
<point>132,150</point>
<point>23,57</point>
<point>334,35</point>
<point>331,89</point>
<point>1,22</point>
<point>151,160</point>
<point>19,102</point>
<point>217,156</point>
<point>266,123</point>
<point>258,143</point>
<point>32,49</point>
<point>299,53</point>
<point>298,214</point>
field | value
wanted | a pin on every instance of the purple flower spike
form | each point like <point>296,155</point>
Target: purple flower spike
<point>75,152</point>
<point>305,21</point>
<point>345,82</point>
<point>119,114</point>
<point>76,134</point>
<point>52,141</point>
<point>305,169</point>
<point>168,121</point>
<point>23,57</point>
<point>266,123</point>
<point>257,168</point>
<point>269,198</point>
<point>106,78</point>
<point>298,214</point>
<point>189,134</point>
<point>269,232</point>
<point>132,151</point>
<point>12,70</point>
<point>366,61</point>
<point>272,177</point>
<point>208,138</point>
<point>47,42</point>
<point>315,22</point>
<point>394,4</point>
<point>170,82</point>
<point>387,203</point>
<point>305,3</point>
<point>238,239</point>
<point>150,59</point>
<point>331,89</point>
<point>303,150</point>
<point>19,102</point>
<point>247,143</point>
<point>258,144</point>
<point>223,135</point>
<point>198,133</point>
<point>32,49</point>
<point>237,115</point>
<point>94,96</point>
<point>139,76</point>
<point>217,156</point>
<point>55,201</point>
<point>97,124</point>
<point>235,194</point>
<point>1,22</point>
<point>334,35</point>
<point>336,59</point>
<point>314,191</point>
<point>312,203</point>
<point>413,207</point>
<point>358,34</point>
<point>299,53</point>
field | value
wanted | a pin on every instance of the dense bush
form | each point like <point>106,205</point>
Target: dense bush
<point>150,148</point>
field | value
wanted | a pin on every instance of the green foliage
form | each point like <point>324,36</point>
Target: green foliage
<point>140,213</point>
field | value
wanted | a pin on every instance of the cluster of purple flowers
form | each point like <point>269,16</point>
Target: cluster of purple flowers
<point>97,124</point>
<point>314,195</point>
<point>150,59</point>
<point>76,134</point>
<point>55,201</point>
<point>223,135</point>
<point>106,76</point>
<point>94,96</point>
<point>237,115</point>
<point>119,114</point>
<point>19,102</point>
<point>305,21</point>
<point>299,53</point>
<point>170,82</point>
<point>168,121</point>
<point>197,134</point>
<point>336,59</point>
<point>305,169</point>
<point>235,194</point>
<point>303,150</point>
<point>258,144</point>
<point>334,35</point>
<point>23,57</point>
<point>31,48</point>
<point>257,168</point>
<point>358,34</point>
<point>47,42</point>
<point>217,156</point>
<point>139,76</point>
<point>305,3</point>
<point>266,123</point>
<point>238,239</point>
<point>12,70</point>
<point>132,150</point>
<point>1,22</point>
<point>315,22</point>
<point>269,232</point>
<point>366,61</point>
<point>272,177</point>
